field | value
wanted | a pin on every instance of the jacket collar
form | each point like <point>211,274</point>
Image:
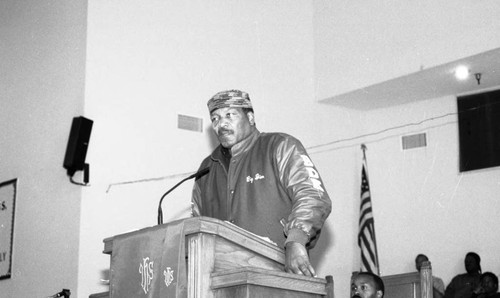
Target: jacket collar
<point>239,148</point>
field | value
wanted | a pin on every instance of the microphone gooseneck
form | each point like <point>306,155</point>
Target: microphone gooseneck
<point>196,175</point>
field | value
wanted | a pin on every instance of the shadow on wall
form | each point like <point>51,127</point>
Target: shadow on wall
<point>319,253</point>
<point>213,142</point>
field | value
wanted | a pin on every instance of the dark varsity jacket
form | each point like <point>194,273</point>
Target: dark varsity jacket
<point>271,188</point>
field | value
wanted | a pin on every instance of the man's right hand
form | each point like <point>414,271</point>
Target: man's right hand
<point>297,260</point>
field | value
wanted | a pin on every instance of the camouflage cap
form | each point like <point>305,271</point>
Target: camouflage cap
<point>229,99</point>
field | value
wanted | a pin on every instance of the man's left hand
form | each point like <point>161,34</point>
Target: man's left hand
<point>297,260</point>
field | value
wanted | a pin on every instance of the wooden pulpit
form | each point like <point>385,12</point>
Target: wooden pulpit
<point>202,257</point>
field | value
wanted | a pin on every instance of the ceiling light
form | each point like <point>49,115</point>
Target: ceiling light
<point>462,72</point>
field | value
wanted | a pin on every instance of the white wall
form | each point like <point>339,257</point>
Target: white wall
<point>42,63</point>
<point>423,203</point>
<point>364,43</point>
<point>148,61</point>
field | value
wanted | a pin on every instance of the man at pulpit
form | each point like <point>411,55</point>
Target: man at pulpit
<point>263,182</point>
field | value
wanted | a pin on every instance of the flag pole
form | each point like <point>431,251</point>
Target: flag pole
<point>365,162</point>
<point>363,147</point>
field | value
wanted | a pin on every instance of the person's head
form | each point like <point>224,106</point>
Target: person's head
<point>489,282</point>
<point>367,285</point>
<point>419,260</point>
<point>472,263</point>
<point>232,116</point>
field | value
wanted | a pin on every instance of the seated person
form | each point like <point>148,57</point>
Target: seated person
<point>437,283</point>
<point>367,285</point>
<point>462,285</point>
<point>488,286</point>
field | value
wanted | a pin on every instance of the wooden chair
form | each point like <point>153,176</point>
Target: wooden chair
<point>410,285</point>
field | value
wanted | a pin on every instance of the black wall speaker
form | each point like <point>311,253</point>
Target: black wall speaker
<point>78,143</point>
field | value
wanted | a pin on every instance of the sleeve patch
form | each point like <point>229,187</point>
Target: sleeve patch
<point>313,174</point>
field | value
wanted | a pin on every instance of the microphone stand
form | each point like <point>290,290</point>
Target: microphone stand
<point>197,175</point>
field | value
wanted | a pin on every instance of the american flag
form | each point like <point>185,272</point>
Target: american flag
<point>366,236</point>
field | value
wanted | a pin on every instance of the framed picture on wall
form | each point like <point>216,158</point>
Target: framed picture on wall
<point>7,211</point>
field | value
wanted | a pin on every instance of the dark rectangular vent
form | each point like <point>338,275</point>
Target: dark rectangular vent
<point>189,123</point>
<point>414,141</point>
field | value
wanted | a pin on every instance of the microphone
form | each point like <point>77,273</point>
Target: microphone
<point>196,175</point>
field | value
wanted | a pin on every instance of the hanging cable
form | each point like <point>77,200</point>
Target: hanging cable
<point>396,127</point>
<point>380,131</point>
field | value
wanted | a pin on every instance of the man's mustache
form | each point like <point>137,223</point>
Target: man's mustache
<point>356,296</point>
<point>224,130</point>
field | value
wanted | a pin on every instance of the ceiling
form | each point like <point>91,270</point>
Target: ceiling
<point>429,83</point>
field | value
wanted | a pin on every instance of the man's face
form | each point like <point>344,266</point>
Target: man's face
<point>364,287</point>
<point>419,261</point>
<point>232,125</point>
<point>488,284</point>
<point>471,265</point>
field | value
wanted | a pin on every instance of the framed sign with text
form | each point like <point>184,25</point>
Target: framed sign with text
<point>7,211</point>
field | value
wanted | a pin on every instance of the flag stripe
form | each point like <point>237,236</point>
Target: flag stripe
<point>366,234</point>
